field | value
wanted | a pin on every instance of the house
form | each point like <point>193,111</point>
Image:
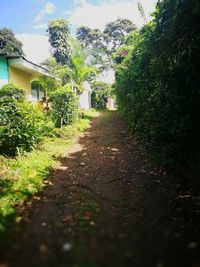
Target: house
<point>85,97</point>
<point>20,71</point>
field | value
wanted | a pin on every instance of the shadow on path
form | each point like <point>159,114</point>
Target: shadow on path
<point>105,206</point>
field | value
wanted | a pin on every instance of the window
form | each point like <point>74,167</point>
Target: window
<point>37,91</point>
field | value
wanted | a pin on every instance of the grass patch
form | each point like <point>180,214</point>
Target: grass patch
<point>22,177</point>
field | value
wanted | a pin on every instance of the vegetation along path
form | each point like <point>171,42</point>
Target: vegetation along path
<point>107,206</point>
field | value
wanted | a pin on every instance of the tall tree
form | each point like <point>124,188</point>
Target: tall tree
<point>9,43</point>
<point>103,44</point>
<point>77,72</point>
<point>142,12</point>
<point>59,35</point>
<point>93,40</point>
<point>115,33</point>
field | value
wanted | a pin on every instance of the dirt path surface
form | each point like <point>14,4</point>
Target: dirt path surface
<point>106,206</point>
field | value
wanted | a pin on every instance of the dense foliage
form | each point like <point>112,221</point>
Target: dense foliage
<point>64,103</point>
<point>103,44</point>
<point>100,93</point>
<point>69,59</point>
<point>58,31</point>
<point>9,44</point>
<point>20,123</point>
<point>49,84</point>
<point>12,92</point>
<point>79,71</point>
<point>157,83</point>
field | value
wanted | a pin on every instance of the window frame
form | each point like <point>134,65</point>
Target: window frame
<point>40,92</point>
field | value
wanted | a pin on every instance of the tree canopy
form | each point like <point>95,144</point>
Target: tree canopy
<point>103,44</point>
<point>115,33</point>
<point>79,71</point>
<point>9,43</point>
<point>59,35</point>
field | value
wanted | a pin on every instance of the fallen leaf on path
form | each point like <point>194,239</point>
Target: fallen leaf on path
<point>63,168</point>
<point>42,248</point>
<point>18,219</point>
<point>68,218</point>
<point>36,198</point>
<point>192,245</point>
<point>66,247</point>
<point>47,182</point>
<point>114,149</point>
<point>184,196</point>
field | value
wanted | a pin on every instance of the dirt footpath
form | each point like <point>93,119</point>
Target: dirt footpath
<point>106,206</point>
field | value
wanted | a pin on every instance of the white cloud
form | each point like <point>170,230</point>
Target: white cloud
<point>79,2</point>
<point>97,16</point>
<point>36,47</point>
<point>40,26</point>
<point>48,9</point>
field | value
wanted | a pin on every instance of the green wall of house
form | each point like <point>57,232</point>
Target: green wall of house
<point>4,74</point>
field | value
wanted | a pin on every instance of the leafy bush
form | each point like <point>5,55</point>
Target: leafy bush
<point>157,84</point>
<point>20,123</point>
<point>100,93</point>
<point>10,92</point>
<point>64,103</point>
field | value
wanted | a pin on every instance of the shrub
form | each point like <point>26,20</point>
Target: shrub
<point>10,92</point>
<point>100,93</point>
<point>20,123</point>
<point>64,103</point>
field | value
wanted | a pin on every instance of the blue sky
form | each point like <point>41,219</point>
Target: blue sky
<point>20,15</point>
<point>29,18</point>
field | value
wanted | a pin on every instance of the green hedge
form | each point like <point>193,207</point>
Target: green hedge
<point>157,84</point>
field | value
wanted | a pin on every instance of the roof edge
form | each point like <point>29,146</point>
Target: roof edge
<point>21,56</point>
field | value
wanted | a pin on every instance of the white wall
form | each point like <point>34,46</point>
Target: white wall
<point>84,100</point>
<point>85,97</point>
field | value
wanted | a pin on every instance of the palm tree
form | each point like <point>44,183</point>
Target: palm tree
<point>79,71</point>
